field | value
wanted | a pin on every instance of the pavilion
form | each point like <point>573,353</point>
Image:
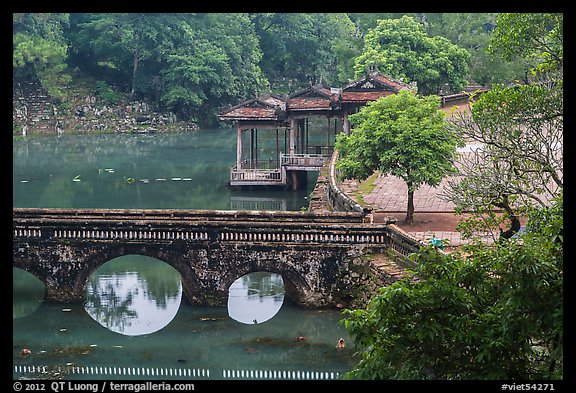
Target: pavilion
<point>290,114</point>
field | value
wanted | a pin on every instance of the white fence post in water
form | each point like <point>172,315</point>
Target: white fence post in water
<point>195,372</point>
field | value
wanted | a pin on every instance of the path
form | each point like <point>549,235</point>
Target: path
<point>434,217</point>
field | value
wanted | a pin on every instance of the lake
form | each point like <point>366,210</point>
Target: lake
<point>135,322</point>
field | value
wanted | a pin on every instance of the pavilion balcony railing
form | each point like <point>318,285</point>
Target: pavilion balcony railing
<point>304,160</point>
<point>256,174</point>
<point>325,151</point>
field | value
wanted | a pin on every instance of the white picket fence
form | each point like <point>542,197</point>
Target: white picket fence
<point>202,373</point>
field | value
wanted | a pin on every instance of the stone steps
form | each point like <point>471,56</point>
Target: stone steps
<point>38,106</point>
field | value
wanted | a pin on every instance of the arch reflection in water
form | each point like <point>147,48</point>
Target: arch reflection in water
<point>255,297</point>
<point>134,295</point>
<point>27,293</point>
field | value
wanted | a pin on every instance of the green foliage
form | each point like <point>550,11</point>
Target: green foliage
<point>535,36</point>
<point>300,49</point>
<point>224,58</point>
<point>107,94</point>
<point>521,161</point>
<point>400,135</point>
<point>493,313</point>
<point>402,49</point>
<point>40,50</point>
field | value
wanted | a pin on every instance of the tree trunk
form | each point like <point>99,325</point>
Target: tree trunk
<point>135,69</point>
<point>514,221</point>
<point>410,210</point>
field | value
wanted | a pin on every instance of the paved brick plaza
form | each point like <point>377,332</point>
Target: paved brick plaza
<point>390,194</point>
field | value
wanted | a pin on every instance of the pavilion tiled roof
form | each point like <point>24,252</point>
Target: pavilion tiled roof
<point>308,103</point>
<point>269,107</point>
<point>371,87</point>
<point>364,96</point>
<point>316,98</point>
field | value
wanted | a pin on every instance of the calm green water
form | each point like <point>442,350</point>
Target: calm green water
<point>134,322</point>
<point>154,171</point>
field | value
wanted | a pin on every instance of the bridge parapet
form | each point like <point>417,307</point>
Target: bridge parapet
<point>182,215</point>
<point>51,225</point>
<point>319,260</point>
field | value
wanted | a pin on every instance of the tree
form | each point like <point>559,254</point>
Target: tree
<point>474,32</point>
<point>217,65</point>
<point>520,129</point>
<point>124,47</point>
<point>401,48</point>
<point>536,36</point>
<point>401,135</point>
<point>496,313</point>
<point>40,50</point>
<point>302,49</point>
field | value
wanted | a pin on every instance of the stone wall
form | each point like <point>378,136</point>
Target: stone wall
<point>34,111</point>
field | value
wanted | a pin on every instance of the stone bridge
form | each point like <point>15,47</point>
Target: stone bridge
<point>322,258</point>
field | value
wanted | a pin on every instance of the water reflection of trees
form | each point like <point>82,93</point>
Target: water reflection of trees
<point>159,287</point>
<point>114,287</point>
<point>107,307</point>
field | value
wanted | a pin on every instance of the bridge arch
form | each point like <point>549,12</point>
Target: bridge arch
<point>296,288</point>
<point>318,256</point>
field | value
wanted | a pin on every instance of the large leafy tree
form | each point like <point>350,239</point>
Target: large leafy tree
<point>217,66</point>
<point>40,50</point>
<point>191,64</point>
<point>519,127</point>
<point>402,49</point>
<point>402,135</point>
<point>474,32</point>
<point>300,49</point>
<point>125,48</point>
<point>494,314</point>
<point>535,36</point>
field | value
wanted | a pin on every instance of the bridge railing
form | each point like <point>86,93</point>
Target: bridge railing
<point>122,228</point>
<point>45,215</point>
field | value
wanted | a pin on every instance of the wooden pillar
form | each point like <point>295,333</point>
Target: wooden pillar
<point>328,134</point>
<point>238,147</point>
<point>256,147</point>
<point>277,150</point>
<point>285,141</point>
<point>307,135</point>
<point>346,125</point>
<point>292,139</point>
<point>302,136</point>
